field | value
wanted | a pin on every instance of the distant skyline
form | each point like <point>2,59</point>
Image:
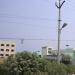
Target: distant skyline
<point>36,19</point>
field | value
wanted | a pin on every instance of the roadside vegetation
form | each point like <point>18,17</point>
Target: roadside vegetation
<point>26,63</point>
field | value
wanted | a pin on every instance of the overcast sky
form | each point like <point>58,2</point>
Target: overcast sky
<point>36,19</point>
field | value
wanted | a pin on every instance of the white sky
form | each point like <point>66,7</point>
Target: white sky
<point>36,19</point>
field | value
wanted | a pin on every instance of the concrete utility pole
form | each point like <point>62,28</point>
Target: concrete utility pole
<point>59,6</point>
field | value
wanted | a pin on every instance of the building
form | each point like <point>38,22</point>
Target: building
<point>70,52</point>
<point>49,53</point>
<point>7,48</point>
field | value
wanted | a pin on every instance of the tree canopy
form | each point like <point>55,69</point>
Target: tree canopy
<point>26,63</point>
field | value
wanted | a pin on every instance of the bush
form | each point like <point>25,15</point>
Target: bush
<point>26,63</point>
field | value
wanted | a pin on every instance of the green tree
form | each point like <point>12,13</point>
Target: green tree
<point>26,63</point>
<point>66,59</point>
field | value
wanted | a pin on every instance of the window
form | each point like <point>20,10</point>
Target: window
<point>7,50</point>
<point>7,45</point>
<point>49,52</point>
<point>2,44</point>
<point>7,55</point>
<point>1,54</point>
<point>13,45</point>
<point>2,49</point>
<point>44,47</point>
<point>49,48</point>
<point>12,50</point>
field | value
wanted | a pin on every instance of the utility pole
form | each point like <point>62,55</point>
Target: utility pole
<point>59,6</point>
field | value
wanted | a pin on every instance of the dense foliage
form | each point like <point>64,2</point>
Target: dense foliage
<point>26,63</point>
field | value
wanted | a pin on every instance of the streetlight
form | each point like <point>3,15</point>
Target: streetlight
<point>59,33</point>
<point>64,25</point>
<point>59,6</point>
<point>67,45</point>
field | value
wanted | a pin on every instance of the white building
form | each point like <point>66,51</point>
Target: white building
<point>49,53</point>
<point>7,48</point>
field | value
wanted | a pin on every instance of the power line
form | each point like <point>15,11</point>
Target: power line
<point>26,18</point>
<point>33,39</point>
<point>29,24</point>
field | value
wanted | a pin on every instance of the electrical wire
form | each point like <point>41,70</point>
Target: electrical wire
<point>33,39</point>
<point>25,17</point>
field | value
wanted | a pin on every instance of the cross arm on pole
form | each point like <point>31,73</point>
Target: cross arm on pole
<point>60,5</point>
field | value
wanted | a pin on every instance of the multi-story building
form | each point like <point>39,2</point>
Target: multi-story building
<point>7,48</point>
<point>49,53</point>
